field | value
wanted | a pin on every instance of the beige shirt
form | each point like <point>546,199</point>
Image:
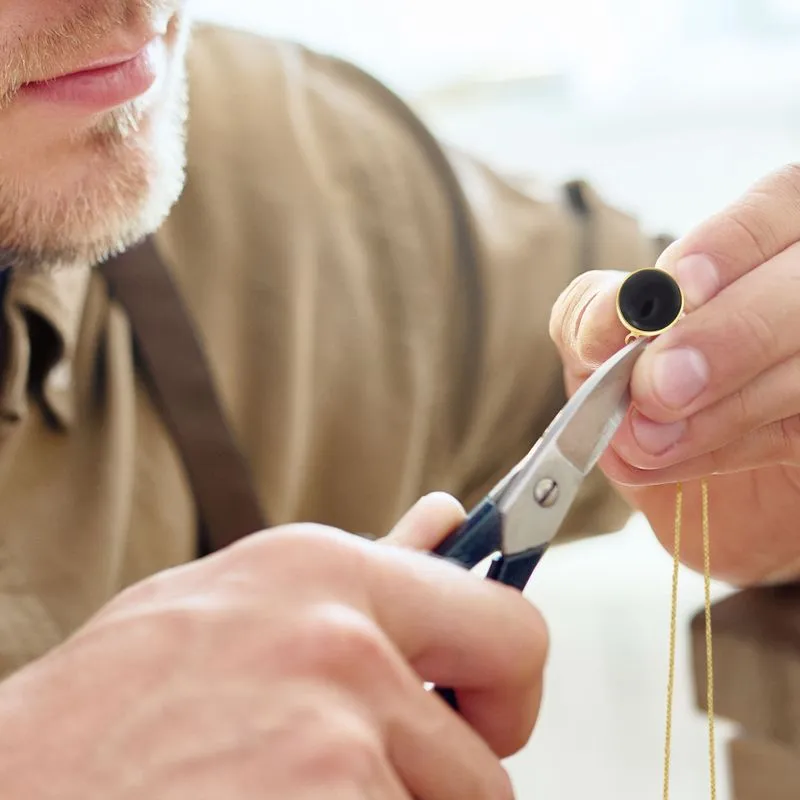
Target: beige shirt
<point>314,247</point>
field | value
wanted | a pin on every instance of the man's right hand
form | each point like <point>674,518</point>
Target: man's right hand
<point>289,666</point>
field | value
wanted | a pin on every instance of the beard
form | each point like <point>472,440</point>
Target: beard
<point>92,192</point>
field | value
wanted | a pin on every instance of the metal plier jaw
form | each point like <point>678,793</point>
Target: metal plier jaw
<point>521,516</point>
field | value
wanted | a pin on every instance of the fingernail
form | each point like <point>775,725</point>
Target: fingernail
<point>655,438</point>
<point>679,376</point>
<point>699,278</point>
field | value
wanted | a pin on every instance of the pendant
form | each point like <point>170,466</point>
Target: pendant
<point>649,302</point>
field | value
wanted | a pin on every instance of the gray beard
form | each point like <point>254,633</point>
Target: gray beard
<point>145,158</point>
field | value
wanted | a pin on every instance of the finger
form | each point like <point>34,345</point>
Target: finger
<point>439,757</point>
<point>434,752</point>
<point>455,629</point>
<point>479,637</point>
<point>428,522</point>
<point>386,784</point>
<point>325,746</point>
<point>719,348</point>
<point>767,551</point>
<point>584,324</point>
<point>618,471</point>
<point>769,398</point>
<point>776,443</point>
<point>758,226</point>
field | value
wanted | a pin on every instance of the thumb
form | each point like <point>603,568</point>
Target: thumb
<point>428,522</point>
<point>584,325</point>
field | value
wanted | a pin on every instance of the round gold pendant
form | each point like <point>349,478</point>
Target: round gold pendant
<point>649,302</point>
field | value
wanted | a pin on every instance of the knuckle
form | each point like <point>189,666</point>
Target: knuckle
<point>286,550</point>
<point>718,461</point>
<point>744,409</point>
<point>285,539</point>
<point>341,643</point>
<point>788,431</point>
<point>153,592</point>
<point>736,416</point>
<point>143,593</point>
<point>345,749</point>
<point>752,229</point>
<point>760,224</point>
<point>758,335</point>
<point>764,218</point>
<point>787,179</point>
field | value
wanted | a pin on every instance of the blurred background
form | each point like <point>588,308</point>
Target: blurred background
<point>671,108</point>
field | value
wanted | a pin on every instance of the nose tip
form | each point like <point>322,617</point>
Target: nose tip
<point>649,301</point>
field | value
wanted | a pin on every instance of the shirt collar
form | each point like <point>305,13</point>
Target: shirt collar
<point>43,319</point>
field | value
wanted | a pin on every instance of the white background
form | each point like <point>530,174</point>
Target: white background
<point>672,108</point>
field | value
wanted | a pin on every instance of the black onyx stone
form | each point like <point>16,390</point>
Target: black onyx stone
<point>649,300</point>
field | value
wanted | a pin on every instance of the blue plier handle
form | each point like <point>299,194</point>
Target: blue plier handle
<point>480,535</point>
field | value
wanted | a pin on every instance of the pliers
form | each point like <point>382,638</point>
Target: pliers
<point>521,516</point>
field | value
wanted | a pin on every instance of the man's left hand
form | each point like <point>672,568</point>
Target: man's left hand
<point>718,395</point>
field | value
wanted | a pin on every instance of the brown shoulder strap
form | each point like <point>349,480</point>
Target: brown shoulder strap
<point>174,365</point>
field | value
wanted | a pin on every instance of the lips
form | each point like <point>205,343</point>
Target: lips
<point>105,83</point>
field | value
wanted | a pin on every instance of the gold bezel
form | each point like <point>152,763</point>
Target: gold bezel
<point>636,332</point>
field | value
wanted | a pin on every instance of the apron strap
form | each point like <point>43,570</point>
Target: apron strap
<point>174,366</point>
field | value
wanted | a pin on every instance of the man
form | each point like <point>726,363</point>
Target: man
<point>362,362</point>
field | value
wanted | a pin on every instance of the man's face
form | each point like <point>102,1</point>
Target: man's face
<point>92,113</point>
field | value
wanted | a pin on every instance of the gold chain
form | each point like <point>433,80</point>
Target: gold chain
<point>712,754</point>
<point>673,636</point>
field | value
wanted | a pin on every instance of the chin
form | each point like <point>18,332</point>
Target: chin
<point>109,186</point>
<point>139,174</point>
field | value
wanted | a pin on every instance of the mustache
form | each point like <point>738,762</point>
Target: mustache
<point>29,57</point>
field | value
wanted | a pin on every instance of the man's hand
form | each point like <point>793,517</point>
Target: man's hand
<point>719,394</point>
<point>289,666</point>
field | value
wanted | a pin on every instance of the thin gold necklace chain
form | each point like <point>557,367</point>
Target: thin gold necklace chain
<point>673,636</point>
